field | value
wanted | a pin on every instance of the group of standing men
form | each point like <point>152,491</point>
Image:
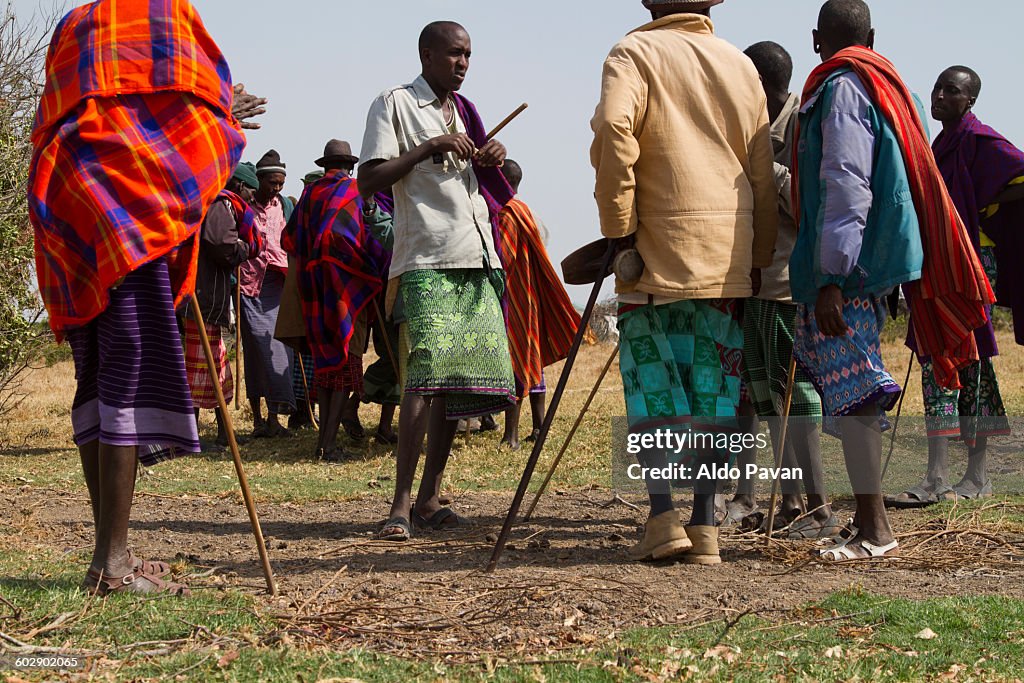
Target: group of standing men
<point>139,201</point>
<point>759,271</point>
<point>136,185</point>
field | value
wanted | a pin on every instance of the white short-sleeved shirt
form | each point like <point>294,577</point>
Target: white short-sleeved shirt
<point>441,219</point>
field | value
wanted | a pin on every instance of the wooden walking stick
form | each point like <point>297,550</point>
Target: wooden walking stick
<point>563,380</point>
<point>254,520</point>
<point>572,433</point>
<point>507,120</point>
<point>238,338</point>
<point>305,385</point>
<point>899,411</point>
<point>790,383</point>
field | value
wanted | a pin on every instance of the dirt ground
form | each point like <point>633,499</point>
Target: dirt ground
<point>563,581</point>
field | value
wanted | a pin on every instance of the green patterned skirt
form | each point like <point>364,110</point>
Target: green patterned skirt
<point>452,341</point>
<point>681,360</point>
<point>768,328</point>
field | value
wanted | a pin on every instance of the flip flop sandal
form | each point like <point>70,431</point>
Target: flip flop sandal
<point>157,569</point>
<point>385,439</point>
<point>845,552</point>
<point>488,424</point>
<point>354,429</point>
<point>913,498</point>
<point>335,456</point>
<point>534,435</point>
<point>785,518</point>
<point>100,585</point>
<point>810,529</point>
<point>968,490</point>
<point>399,527</point>
<point>736,513</point>
<point>443,519</point>
<point>261,432</point>
<point>946,494</point>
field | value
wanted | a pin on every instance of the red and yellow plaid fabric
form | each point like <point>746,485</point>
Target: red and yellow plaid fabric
<point>949,301</point>
<point>542,322</point>
<point>122,182</point>
<point>118,47</point>
<point>200,381</point>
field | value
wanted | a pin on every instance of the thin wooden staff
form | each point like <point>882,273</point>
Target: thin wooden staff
<point>508,119</point>
<point>572,433</point>
<point>238,338</point>
<point>305,385</point>
<point>899,411</point>
<point>790,383</point>
<point>229,427</point>
<point>563,380</point>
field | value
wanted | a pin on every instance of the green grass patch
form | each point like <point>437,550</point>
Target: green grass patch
<point>850,635</point>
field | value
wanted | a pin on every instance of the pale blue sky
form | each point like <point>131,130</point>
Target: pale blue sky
<point>321,63</point>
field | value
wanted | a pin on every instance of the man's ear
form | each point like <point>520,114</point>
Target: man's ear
<point>871,40</point>
<point>817,43</point>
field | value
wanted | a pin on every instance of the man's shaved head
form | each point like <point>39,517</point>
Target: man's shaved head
<point>773,63</point>
<point>973,79</point>
<point>437,33</point>
<point>844,23</point>
<point>513,173</point>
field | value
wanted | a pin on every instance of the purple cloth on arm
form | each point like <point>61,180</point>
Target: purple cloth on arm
<point>495,189</point>
<point>977,164</point>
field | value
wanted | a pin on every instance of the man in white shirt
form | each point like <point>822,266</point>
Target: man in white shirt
<point>427,143</point>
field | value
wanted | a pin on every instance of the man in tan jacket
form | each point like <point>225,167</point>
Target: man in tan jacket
<point>684,162</point>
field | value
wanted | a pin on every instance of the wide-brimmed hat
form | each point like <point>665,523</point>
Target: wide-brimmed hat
<point>584,266</point>
<point>337,150</point>
<point>680,5</point>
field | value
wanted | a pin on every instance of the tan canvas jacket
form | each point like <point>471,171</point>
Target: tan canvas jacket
<point>684,160</point>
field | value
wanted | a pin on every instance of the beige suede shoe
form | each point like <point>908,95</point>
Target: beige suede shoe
<point>704,540</point>
<point>664,537</point>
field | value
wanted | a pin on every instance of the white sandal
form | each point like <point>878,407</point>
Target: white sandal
<point>843,552</point>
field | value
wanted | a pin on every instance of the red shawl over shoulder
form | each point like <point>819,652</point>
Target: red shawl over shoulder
<point>948,303</point>
<point>541,320</point>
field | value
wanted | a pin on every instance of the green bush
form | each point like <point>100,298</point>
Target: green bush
<point>22,51</point>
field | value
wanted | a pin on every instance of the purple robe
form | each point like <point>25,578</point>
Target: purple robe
<point>977,164</point>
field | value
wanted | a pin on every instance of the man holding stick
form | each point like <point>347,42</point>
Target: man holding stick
<point>703,221</point>
<point>116,253</point>
<point>428,144</point>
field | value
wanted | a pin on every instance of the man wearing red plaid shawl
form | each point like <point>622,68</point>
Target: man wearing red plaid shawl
<point>863,139</point>
<point>541,319</point>
<point>133,140</point>
<point>339,264</point>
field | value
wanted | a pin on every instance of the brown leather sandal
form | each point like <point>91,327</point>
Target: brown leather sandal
<point>98,584</point>
<point>157,569</point>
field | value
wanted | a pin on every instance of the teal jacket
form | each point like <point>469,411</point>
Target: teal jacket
<point>872,255</point>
